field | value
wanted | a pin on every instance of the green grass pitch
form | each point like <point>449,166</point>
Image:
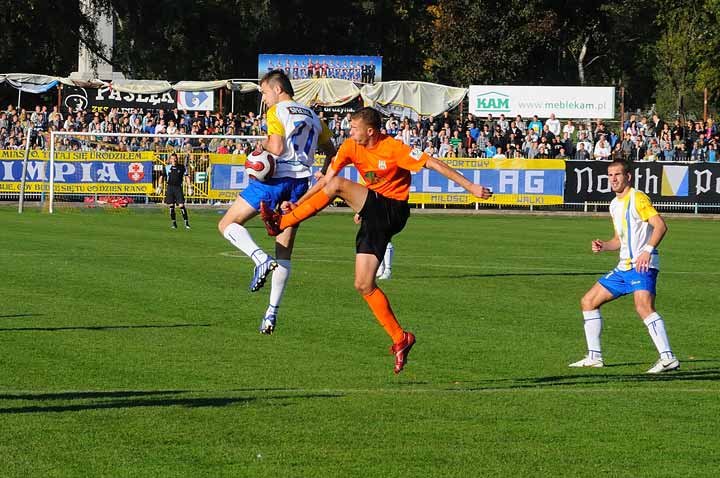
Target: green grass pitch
<point>128,349</point>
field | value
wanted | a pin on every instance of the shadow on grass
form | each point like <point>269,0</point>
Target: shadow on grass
<point>15,316</point>
<point>504,274</point>
<point>600,378</point>
<point>99,327</point>
<point>139,399</point>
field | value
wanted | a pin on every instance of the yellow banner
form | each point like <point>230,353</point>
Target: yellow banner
<point>42,155</point>
<point>84,188</point>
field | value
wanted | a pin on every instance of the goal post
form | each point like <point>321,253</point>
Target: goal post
<point>23,174</point>
<point>83,166</point>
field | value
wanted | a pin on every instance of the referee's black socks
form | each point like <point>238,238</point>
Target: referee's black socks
<point>183,210</point>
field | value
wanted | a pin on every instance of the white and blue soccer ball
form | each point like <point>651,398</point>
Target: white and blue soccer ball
<point>260,165</point>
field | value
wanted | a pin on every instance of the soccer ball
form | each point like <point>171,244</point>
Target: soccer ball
<point>260,165</point>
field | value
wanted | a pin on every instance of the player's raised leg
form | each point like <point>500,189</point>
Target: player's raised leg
<point>592,322</point>
<point>232,228</point>
<point>645,307</point>
<point>352,193</point>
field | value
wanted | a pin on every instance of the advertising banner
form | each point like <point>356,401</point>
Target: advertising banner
<point>79,172</point>
<point>196,100</point>
<point>662,182</point>
<point>102,99</point>
<point>526,182</point>
<point>513,181</point>
<point>526,101</point>
<point>226,176</point>
<point>357,68</point>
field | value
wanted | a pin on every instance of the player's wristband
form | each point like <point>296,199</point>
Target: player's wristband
<point>648,248</point>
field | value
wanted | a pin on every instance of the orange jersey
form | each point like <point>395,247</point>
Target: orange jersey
<point>385,167</point>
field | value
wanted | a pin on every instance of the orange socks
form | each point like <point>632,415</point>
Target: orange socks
<point>380,306</point>
<point>308,208</point>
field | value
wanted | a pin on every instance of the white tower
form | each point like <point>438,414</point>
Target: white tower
<point>90,65</point>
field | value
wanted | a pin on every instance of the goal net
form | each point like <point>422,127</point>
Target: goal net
<point>118,169</point>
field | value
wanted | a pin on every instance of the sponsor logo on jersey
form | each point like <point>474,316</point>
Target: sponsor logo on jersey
<point>296,110</point>
<point>371,177</point>
<point>416,154</point>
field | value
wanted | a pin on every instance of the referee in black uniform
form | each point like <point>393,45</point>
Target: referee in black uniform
<point>173,193</point>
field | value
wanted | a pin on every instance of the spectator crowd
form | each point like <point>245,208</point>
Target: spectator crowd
<point>446,136</point>
<point>639,139</point>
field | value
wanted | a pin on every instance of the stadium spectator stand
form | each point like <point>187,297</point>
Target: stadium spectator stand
<point>447,135</point>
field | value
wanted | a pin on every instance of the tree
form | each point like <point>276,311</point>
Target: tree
<point>43,37</point>
<point>684,26</point>
<point>488,41</point>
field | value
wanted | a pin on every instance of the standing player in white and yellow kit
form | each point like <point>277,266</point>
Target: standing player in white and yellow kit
<point>294,134</point>
<point>638,232</point>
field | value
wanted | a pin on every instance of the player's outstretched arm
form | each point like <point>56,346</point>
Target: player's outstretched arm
<point>476,190</point>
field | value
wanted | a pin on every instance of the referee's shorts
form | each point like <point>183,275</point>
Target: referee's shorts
<point>382,218</point>
<point>174,195</point>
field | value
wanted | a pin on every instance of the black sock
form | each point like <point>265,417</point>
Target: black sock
<point>183,210</point>
<point>172,213</point>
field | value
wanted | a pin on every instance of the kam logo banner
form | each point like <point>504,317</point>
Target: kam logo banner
<point>526,101</point>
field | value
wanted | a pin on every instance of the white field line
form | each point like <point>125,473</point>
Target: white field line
<point>350,260</point>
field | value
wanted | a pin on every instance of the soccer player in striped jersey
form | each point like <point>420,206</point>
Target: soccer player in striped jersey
<point>385,165</point>
<point>639,229</point>
<point>294,134</point>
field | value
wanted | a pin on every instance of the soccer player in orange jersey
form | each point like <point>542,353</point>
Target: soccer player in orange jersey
<point>382,203</point>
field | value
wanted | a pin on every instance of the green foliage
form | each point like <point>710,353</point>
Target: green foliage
<point>661,51</point>
<point>42,37</point>
<point>688,57</point>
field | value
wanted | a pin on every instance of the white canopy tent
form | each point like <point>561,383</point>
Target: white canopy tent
<point>409,98</point>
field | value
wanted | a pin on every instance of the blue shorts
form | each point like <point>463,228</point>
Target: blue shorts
<point>620,283</point>
<point>274,191</point>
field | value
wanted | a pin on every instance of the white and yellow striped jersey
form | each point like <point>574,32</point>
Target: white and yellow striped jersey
<point>630,218</point>
<point>302,130</point>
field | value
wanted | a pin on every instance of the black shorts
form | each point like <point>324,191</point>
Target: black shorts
<point>382,218</point>
<point>174,195</point>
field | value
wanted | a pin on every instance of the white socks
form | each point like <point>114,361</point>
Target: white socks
<point>654,323</point>
<point>656,329</point>
<point>593,329</point>
<point>280,278</point>
<point>388,258</point>
<point>240,238</point>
